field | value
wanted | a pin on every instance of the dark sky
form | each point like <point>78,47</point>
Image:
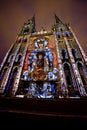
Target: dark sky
<point>13,14</point>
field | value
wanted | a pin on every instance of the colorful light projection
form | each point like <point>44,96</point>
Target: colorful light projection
<point>40,68</point>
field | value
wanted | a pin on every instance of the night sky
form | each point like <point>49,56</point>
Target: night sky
<point>13,14</point>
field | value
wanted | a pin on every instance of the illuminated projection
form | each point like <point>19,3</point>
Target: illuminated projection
<point>44,64</point>
<point>40,71</point>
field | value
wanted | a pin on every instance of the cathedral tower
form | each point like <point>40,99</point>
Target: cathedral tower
<point>44,64</point>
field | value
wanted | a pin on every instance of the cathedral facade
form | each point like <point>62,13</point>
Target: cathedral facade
<point>44,64</point>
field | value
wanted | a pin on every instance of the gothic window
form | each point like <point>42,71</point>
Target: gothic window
<point>10,58</point>
<point>68,77</point>
<point>67,73</point>
<point>59,34</point>
<point>74,52</point>
<point>82,71</point>
<point>3,74</point>
<point>64,54</point>
<point>25,40</point>
<point>61,29</point>
<point>18,58</point>
<point>11,80</point>
<point>19,40</point>
<point>67,33</point>
<point>25,28</point>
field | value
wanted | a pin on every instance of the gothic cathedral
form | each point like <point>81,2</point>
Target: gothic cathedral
<point>44,64</point>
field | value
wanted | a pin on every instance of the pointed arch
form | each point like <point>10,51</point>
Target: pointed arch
<point>64,54</point>
<point>68,76</point>
<point>74,53</point>
<point>2,74</point>
<point>19,40</point>
<point>18,58</point>
<point>59,34</point>
<point>24,40</point>
<point>82,71</point>
<point>67,33</point>
<point>10,58</point>
<point>11,80</point>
